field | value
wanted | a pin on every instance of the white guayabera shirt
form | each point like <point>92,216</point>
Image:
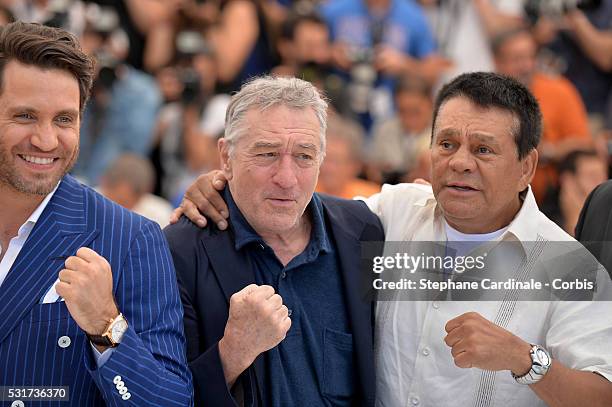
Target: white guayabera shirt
<point>415,366</point>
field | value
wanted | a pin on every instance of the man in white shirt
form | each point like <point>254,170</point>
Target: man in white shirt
<point>485,131</point>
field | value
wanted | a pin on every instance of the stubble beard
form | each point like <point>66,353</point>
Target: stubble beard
<point>41,185</point>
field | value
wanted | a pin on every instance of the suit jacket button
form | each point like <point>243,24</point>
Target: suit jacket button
<point>64,342</point>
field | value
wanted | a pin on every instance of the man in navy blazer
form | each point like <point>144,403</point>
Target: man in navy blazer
<point>88,296</point>
<point>275,314</point>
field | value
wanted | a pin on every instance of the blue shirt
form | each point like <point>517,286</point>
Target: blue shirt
<point>405,26</point>
<point>313,365</point>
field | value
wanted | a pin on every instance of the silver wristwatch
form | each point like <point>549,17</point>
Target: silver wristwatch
<point>540,363</point>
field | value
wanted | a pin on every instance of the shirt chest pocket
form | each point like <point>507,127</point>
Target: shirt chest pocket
<point>338,371</point>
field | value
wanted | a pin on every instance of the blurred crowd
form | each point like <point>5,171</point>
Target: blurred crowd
<point>166,70</point>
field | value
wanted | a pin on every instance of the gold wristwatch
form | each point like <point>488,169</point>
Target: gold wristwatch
<point>113,334</point>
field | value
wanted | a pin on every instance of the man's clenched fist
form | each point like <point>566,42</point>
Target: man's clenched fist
<point>86,284</point>
<point>258,321</point>
<point>477,342</point>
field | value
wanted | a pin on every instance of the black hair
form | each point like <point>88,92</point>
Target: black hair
<point>488,90</point>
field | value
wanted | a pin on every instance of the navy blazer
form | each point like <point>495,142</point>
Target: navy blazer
<point>594,228</point>
<point>41,345</point>
<point>210,270</point>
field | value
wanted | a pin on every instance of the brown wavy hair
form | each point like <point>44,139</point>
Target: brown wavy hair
<point>47,48</point>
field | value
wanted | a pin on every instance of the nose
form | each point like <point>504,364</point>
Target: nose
<point>45,137</point>
<point>462,160</point>
<point>285,175</point>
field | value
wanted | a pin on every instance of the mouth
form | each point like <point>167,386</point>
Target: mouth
<point>38,161</point>
<point>281,201</point>
<point>462,187</point>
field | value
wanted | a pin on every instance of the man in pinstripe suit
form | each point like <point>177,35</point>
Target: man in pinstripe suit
<point>88,295</point>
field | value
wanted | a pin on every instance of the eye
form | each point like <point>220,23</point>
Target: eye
<point>305,157</point>
<point>24,116</point>
<point>65,119</point>
<point>266,157</point>
<point>446,145</point>
<point>484,150</point>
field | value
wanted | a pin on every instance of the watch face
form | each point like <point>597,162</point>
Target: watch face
<point>118,330</point>
<point>542,356</point>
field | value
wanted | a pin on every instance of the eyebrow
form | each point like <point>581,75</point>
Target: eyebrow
<point>266,144</point>
<point>308,146</point>
<point>446,133</point>
<point>69,112</point>
<point>271,144</point>
<point>483,137</point>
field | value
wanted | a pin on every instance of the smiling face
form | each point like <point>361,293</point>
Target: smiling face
<point>476,173</point>
<point>39,127</point>
<point>273,167</point>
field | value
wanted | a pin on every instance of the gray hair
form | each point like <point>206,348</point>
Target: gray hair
<point>266,92</point>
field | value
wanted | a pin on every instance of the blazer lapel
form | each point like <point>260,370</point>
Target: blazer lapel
<point>60,231</point>
<point>360,308</point>
<point>234,272</point>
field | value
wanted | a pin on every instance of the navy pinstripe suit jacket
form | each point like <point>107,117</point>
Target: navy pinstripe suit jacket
<point>150,359</point>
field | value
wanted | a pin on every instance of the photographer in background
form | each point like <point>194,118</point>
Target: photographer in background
<point>304,47</point>
<point>463,30</point>
<point>579,174</point>
<point>398,142</point>
<point>563,113</point>
<point>578,36</point>
<point>122,112</point>
<point>374,42</point>
<point>193,116</point>
<point>305,50</point>
<point>129,182</point>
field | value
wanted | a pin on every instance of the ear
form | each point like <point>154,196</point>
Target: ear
<point>529,164</point>
<point>224,158</point>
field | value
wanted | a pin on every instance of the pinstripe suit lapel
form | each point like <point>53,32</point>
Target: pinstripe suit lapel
<point>59,233</point>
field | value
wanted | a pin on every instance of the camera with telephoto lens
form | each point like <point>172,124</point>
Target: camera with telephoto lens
<point>103,25</point>
<point>363,74</point>
<point>189,44</point>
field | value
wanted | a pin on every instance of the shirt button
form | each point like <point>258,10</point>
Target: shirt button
<point>283,275</point>
<point>262,246</point>
<point>290,312</point>
<point>64,342</point>
<point>426,351</point>
<point>435,304</point>
<point>415,401</point>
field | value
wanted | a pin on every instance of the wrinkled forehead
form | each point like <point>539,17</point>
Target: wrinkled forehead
<point>460,113</point>
<point>281,123</point>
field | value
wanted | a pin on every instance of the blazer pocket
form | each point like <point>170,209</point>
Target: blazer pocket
<point>338,372</point>
<point>49,312</point>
